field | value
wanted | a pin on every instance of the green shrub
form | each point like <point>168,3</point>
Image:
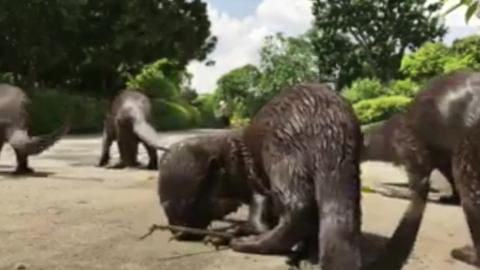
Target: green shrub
<point>237,122</point>
<point>48,109</point>
<point>167,115</point>
<point>363,89</point>
<point>6,78</point>
<point>407,88</point>
<point>205,105</point>
<point>157,80</point>
<point>425,63</point>
<point>378,109</point>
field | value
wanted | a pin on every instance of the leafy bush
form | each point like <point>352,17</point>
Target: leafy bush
<point>407,88</point>
<point>425,63</point>
<point>456,62</point>
<point>6,78</point>
<point>167,115</point>
<point>468,47</point>
<point>363,89</point>
<point>239,121</point>
<point>378,109</point>
<point>206,106</point>
<point>48,109</point>
<point>157,80</point>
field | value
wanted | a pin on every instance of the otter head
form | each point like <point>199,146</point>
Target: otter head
<point>378,142</point>
<point>194,189</point>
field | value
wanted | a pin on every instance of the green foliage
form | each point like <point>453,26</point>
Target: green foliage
<point>157,80</point>
<point>168,115</point>
<point>48,110</point>
<point>434,59</point>
<point>6,78</point>
<point>286,61</point>
<point>427,62</point>
<point>237,88</point>
<point>381,108</point>
<point>363,89</point>
<point>237,122</point>
<point>206,106</point>
<point>406,88</point>
<point>468,49</point>
<point>89,44</point>
<point>356,39</point>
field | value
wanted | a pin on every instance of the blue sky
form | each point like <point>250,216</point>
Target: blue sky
<point>236,8</point>
<point>242,25</point>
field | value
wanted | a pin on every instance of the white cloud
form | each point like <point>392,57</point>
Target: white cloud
<point>457,27</point>
<point>239,39</point>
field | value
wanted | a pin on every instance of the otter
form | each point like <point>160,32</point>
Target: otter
<point>423,138</point>
<point>302,153</point>
<point>199,181</point>
<point>127,123</point>
<point>466,172</point>
<point>14,128</point>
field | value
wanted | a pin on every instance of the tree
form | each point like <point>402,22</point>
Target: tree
<point>238,88</point>
<point>369,38</point>
<point>91,44</point>
<point>285,61</point>
<point>434,59</point>
<point>468,47</point>
<point>425,63</point>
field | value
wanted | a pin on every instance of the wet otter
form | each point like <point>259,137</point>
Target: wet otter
<point>127,122</point>
<point>466,171</point>
<point>199,181</point>
<point>14,129</point>
<point>301,152</point>
<point>434,123</point>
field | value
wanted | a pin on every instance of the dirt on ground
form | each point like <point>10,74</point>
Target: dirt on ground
<point>73,215</point>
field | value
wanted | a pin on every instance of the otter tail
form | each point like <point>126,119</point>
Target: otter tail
<point>20,140</point>
<point>401,244</point>
<point>147,134</point>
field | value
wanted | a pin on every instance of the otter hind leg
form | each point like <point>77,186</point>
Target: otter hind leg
<point>471,207</point>
<point>294,222</point>
<point>107,140</point>
<point>338,197</point>
<point>22,163</point>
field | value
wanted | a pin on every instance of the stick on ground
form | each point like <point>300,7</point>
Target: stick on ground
<point>156,227</point>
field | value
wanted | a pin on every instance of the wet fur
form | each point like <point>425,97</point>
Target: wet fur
<point>197,174</point>
<point>303,150</point>
<point>14,128</point>
<point>303,147</point>
<point>200,174</point>
<point>436,121</point>
<point>440,130</point>
<point>466,172</point>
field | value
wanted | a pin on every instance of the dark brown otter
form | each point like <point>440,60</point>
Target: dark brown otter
<point>199,181</point>
<point>466,171</point>
<point>14,128</point>
<point>303,150</point>
<point>127,122</point>
<point>301,153</point>
<point>435,122</point>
